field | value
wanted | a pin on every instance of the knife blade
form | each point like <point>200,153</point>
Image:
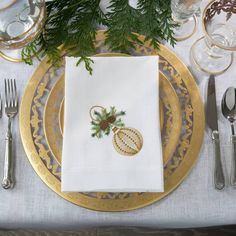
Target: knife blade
<point>212,121</point>
<point>211,105</point>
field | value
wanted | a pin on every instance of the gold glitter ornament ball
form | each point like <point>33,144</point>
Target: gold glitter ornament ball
<point>127,141</point>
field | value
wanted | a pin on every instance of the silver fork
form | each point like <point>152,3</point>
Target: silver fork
<point>11,109</point>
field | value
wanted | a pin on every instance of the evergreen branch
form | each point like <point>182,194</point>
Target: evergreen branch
<point>156,22</point>
<point>70,23</point>
<point>73,24</point>
<point>29,52</point>
<point>87,61</point>
<point>122,20</point>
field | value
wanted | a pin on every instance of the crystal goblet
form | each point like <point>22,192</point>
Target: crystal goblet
<point>213,53</point>
<point>184,14</point>
<point>20,22</point>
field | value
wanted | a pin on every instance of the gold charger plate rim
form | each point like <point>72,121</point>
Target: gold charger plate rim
<point>137,201</point>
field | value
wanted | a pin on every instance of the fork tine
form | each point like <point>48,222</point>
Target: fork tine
<point>6,93</point>
<point>11,100</point>
<point>9,93</point>
<point>15,94</point>
<point>12,92</point>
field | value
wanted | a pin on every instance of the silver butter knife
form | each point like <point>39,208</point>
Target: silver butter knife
<point>219,179</point>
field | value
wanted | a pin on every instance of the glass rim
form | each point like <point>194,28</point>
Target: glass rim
<point>3,8</point>
<point>193,31</point>
<point>206,32</point>
<point>14,59</point>
<point>27,31</point>
<point>199,67</point>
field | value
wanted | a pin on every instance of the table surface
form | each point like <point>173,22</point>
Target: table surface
<point>194,203</point>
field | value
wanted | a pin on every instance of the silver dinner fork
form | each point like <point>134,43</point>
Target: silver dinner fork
<point>11,109</point>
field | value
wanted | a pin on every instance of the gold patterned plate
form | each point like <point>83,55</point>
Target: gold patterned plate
<point>169,114</point>
<point>181,161</point>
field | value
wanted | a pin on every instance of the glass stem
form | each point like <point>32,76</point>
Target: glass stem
<point>212,50</point>
<point>32,7</point>
<point>232,128</point>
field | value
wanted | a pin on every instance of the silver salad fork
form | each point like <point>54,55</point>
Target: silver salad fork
<point>11,109</point>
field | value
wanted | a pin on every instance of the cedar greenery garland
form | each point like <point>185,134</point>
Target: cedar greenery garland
<point>72,24</point>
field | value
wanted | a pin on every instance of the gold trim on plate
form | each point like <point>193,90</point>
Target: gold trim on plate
<point>177,169</point>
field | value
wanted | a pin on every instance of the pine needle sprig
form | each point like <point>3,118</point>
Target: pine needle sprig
<point>156,22</point>
<point>29,52</point>
<point>72,25</point>
<point>166,23</point>
<point>103,121</point>
<point>122,22</point>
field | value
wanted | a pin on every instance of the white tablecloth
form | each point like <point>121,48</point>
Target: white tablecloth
<point>32,204</point>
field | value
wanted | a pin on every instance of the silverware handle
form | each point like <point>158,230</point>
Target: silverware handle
<point>8,181</point>
<point>219,178</point>
<point>233,165</point>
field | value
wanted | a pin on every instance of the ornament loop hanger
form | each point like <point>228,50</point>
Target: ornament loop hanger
<point>91,111</point>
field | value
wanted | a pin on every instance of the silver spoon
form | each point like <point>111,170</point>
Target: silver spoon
<point>228,106</point>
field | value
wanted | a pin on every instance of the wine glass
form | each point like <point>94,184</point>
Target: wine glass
<point>213,53</point>
<point>184,14</point>
<point>20,22</point>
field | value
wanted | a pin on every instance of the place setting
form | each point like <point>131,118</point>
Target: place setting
<point>46,121</point>
<point>110,129</point>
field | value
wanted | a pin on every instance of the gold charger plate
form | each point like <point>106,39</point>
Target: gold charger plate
<point>181,162</point>
<point>170,118</point>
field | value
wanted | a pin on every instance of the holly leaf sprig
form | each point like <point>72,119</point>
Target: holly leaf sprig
<point>104,120</point>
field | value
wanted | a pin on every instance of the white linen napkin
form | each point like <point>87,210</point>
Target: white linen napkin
<point>133,161</point>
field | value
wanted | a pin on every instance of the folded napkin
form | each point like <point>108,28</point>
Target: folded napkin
<point>111,129</point>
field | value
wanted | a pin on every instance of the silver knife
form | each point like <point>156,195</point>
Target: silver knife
<point>212,122</point>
